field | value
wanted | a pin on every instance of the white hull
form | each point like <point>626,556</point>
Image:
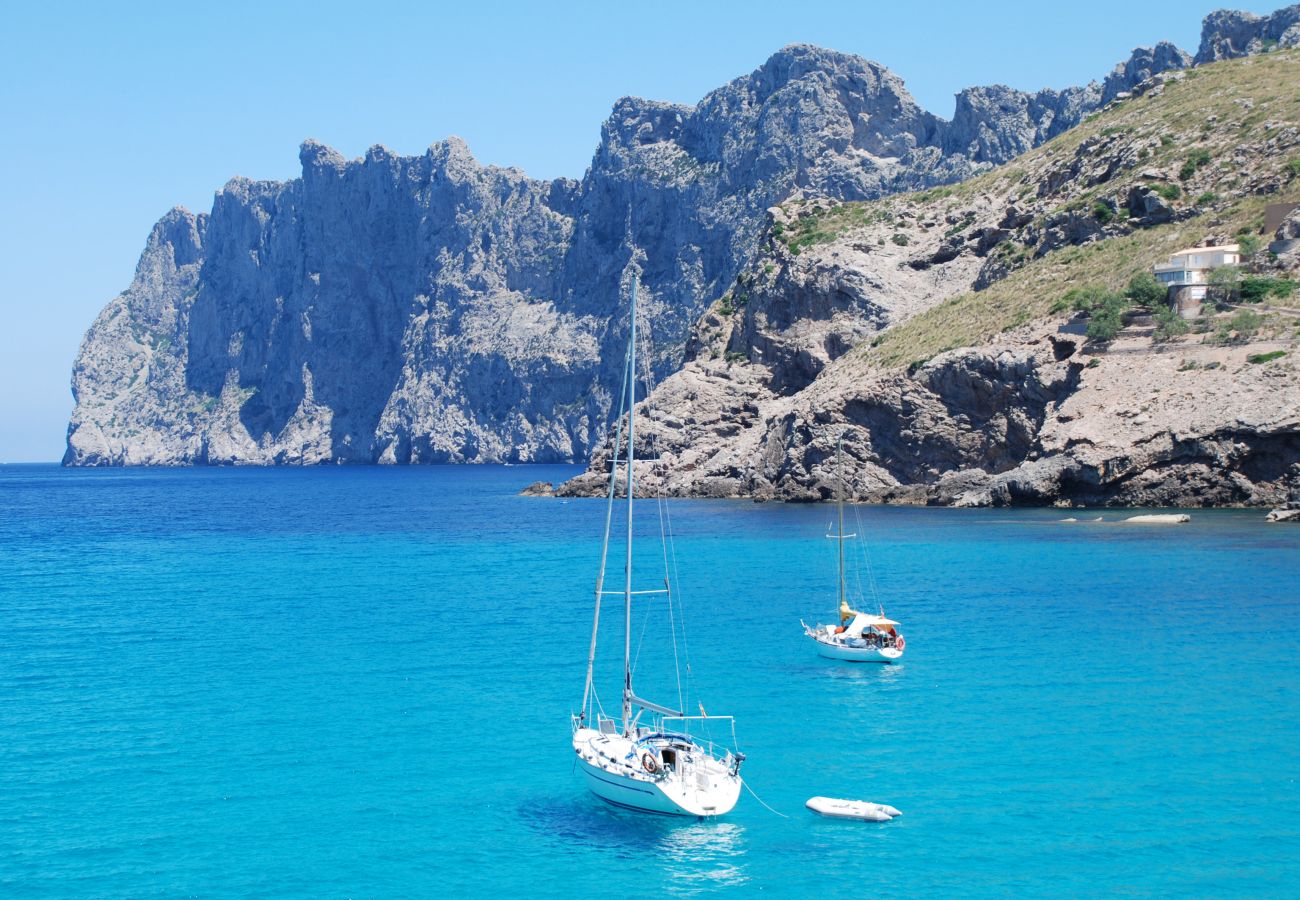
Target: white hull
<point>832,649</point>
<point>697,785</point>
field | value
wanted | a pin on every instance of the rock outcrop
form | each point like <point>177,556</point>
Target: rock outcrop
<point>1230,34</point>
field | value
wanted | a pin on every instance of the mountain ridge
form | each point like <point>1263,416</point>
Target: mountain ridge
<point>432,309</point>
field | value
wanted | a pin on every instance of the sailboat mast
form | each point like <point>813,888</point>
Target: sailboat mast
<point>631,458</point>
<point>604,547</point>
<point>839,472</point>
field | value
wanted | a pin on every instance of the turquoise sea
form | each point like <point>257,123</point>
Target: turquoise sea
<point>356,682</point>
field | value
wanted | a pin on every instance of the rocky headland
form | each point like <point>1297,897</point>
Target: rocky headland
<point>883,272</point>
<point>432,309</point>
<point>937,331</point>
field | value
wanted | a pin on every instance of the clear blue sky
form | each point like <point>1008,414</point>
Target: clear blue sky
<point>112,117</point>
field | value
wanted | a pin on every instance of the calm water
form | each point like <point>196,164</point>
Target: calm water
<point>356,682</point>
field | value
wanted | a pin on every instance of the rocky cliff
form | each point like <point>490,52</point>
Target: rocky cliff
<point>936,331</point>
<point>431,309</point>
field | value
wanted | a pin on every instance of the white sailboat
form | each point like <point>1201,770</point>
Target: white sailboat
<point>647,761</point>
<point>859,636</point>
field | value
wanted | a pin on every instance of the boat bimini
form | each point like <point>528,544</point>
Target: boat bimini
<point>866,638</point>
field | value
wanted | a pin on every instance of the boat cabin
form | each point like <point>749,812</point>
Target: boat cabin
<point>867,627</point>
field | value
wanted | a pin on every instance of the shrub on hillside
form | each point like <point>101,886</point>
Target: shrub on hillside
<point>1239,329</point>
<point>1144,291</point>
<point>1256,288</point>
<point>1196,160</point>
<point>1169,325</point>
<point>1105,307</point>
<point>1224,284</point>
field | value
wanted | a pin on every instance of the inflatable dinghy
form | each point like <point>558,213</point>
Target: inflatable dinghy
<point>861,810</point>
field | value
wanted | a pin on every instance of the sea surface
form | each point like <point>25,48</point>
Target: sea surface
<point>356,682</point>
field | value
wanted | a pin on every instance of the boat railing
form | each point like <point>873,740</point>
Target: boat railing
<point>711,746</point>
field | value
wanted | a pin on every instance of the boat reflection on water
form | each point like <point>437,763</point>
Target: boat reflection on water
<point>888,675</point>
<point>705,854</point>
<point>692,855</point>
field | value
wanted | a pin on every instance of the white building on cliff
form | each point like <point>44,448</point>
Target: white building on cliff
<point>1188,273</point>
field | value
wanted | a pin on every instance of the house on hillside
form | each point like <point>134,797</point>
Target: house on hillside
<point>1188,273</point>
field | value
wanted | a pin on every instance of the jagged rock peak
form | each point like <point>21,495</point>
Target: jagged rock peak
<point>634,120</point>
<point>1142,64</point>
<point>175,241</point>
<point>314,154</point>
<point>796,61</point>
<point>1228,34</point>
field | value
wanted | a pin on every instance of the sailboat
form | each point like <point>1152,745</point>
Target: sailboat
<point>646,760</point>
<point>859,636</point>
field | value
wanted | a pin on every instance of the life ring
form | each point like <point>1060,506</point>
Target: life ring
<point>899,642</point>
<point>650,764</point>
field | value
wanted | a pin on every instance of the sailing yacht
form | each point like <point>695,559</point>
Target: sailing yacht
<point>646,759</point>
<point>859,636</point>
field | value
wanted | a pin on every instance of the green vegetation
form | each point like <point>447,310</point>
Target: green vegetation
<point>965,222</point>
<point>1169,325</point>
<point>900,239</point>
<point>1249,244</point>
<point>1102,212</point>
<point>1256,288</point>
<point>820,226</point>
<point>1239,329</point>
<point>1197,160</point>
<point>1091,298</point>
<point>1258,358</point>
<point>1035,290</point>
<point>1207,198</point>
<point>1104,307</point>
<point>1144,291</point>
<point>1224,284</point>
<point>1169,126</point>
<point>1105,324</point>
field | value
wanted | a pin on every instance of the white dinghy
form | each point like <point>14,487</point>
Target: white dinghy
<point>647,760</point>
<point>862,810</point>
<point>859,636</point>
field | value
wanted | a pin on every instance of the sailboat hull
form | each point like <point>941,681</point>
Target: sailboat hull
<point>836,650</point>
<point>610,765</point>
